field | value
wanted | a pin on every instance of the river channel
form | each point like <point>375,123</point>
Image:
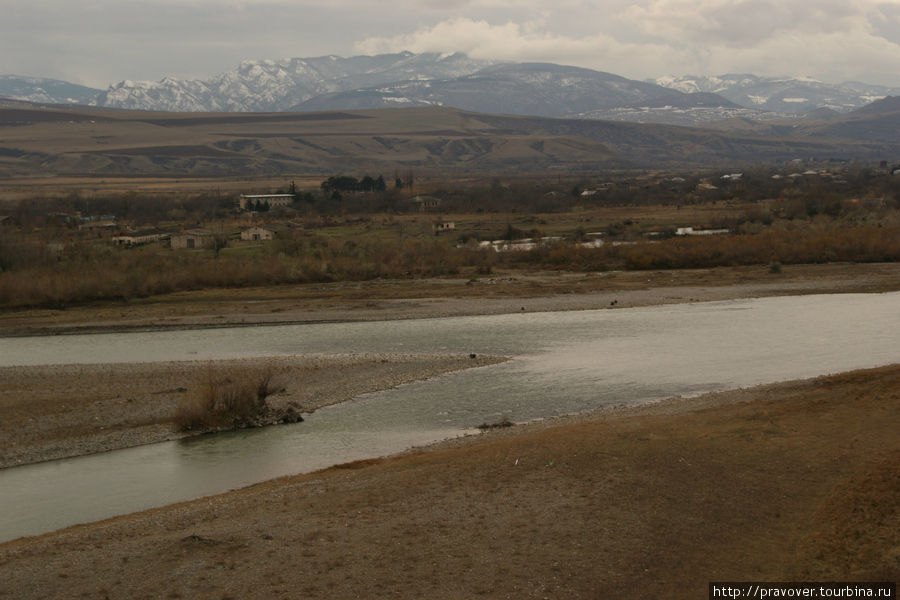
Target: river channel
<point>562,363</point>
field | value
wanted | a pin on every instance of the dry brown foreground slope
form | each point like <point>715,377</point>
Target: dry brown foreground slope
<point>792,481</point>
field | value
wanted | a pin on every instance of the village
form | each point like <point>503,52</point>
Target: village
<point>82,246</point>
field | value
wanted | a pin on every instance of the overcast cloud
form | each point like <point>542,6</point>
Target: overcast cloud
<point>100,42</point>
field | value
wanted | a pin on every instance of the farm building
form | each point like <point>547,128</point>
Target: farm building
<point>194,238</point>
<point>139,238</point>
<point>441,226</point>
<point>97,222</point>
<point>423,203</point>
<point>252,201</point>
<point>692,231</point>
<point>258,233</point>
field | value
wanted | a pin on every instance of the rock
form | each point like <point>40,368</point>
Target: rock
<point>291,415</point>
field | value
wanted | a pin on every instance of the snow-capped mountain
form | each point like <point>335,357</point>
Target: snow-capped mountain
<point>279,85</point>
<point>798,95</point>
<point>454,80</point>
<point>539,89</point>
<point>678,108</point>
<point>46,91</point>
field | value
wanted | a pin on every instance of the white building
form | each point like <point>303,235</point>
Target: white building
<point>251,201</point>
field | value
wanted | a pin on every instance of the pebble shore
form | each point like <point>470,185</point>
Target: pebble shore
<point>61,411</point>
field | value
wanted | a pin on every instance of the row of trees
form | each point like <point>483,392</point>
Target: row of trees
<point>345,183</point>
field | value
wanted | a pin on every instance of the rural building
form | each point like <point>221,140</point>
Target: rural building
<point>692,231</point>
<point>251,201</point>
<point>97,222</point>
<point>424,203</point>
<point>258,233</point>
<point>440,227</point>
<point>139,239</point>
<point>194,238</point>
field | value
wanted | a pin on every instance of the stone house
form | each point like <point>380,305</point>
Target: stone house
<point>257,233</point>
<point>193,238</point>
<point>424,203</point>
<point>440,227</point>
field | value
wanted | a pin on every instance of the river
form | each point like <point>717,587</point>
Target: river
<point>563,362</point>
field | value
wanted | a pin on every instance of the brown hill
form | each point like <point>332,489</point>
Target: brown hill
<point>80,141</point>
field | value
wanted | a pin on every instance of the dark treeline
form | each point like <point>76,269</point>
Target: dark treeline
<point>340,194</point>
<point>344,183</point>
<point>138,208</point>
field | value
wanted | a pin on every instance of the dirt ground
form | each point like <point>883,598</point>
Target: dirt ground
<point>792,481</point>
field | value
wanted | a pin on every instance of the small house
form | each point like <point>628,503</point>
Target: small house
<point>440,227</point>
<point>194,238</point>
<point>257,233</point>
<point>424,203</point>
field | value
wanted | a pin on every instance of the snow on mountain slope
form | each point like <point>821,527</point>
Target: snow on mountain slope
<point>278,85</point>
<point>795,95</point>
<point>43,90</point>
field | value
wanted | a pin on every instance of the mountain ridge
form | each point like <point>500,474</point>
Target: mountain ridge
<point>407,79</point>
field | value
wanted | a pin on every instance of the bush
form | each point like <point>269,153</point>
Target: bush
<point>228,402</point>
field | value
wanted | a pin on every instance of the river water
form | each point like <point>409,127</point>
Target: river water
<point>563,362</point>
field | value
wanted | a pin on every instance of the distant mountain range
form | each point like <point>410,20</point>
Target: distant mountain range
<point>455,80</point>
<point>43,90</point>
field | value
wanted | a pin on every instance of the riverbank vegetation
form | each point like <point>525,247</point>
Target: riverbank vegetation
<point>233,399</point>
<point>55,253</point>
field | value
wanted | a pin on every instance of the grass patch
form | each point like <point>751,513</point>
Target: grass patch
<point>503,423</point>
<point>232,400</point>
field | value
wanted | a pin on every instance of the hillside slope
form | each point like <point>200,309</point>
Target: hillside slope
<point>37,140</point>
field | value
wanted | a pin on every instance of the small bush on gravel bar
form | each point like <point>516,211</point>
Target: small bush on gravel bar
<point>227,401</point>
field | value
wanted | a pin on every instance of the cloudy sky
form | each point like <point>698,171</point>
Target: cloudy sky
<point>100,42</point>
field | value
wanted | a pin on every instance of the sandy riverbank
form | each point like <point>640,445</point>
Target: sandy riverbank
<point>791,481</point>
<point>500,293</point>
<point>58,411</point>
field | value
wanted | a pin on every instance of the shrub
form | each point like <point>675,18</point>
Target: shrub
<point>227,402</point>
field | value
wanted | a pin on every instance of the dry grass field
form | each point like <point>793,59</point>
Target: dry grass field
<point>128,143</point>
